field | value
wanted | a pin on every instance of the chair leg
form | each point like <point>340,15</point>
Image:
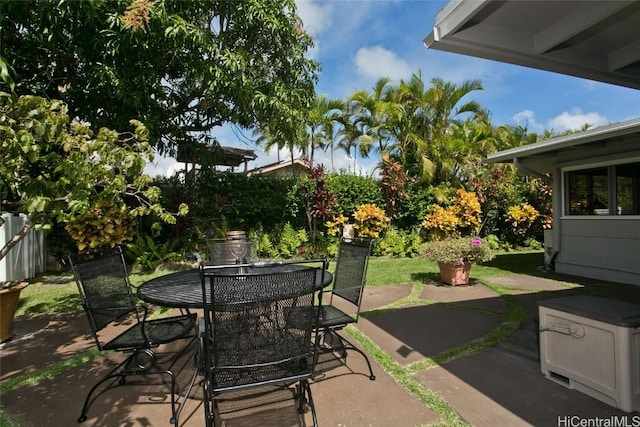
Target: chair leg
<point>207,403</point>
<point>372,377</point>
<point>306,399</point>
<point>342,348</point>
<point>176,414</point>
<point>133,366</point>
<point>114,373</point>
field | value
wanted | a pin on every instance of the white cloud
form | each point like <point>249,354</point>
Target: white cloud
<point>575,120</point>
<point>527,119</point>
<point>162,165</point>
<point>567,120</point>
<point>379,62</point>
<point>316,18</point>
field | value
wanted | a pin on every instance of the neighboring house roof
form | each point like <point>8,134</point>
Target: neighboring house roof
<point>540,156</point>
<point>597,40</point>
<point>280,168</point>
<point>231,156</point>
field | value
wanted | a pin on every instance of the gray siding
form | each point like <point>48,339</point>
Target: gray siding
<point>601,248</point>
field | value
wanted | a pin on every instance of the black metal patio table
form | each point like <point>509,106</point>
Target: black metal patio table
<point>183,289</point>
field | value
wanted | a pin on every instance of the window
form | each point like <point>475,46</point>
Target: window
<point>606,190</point>
<point>628,189</point>
<point>589,192</point>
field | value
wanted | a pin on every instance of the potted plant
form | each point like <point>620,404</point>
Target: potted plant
<point>455,255</point>
<point>9,295</point>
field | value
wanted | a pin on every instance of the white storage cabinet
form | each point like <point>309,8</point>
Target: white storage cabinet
<point>592,345</point>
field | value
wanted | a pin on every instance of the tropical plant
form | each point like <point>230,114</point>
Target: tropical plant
<point>336,225</point>
<point>370,221</point>
<point>463,216</point>
<point>292,242</point>
<point>316,198</point>
<point>521,217</point>
<point>149,254</point>
<point>264,245</point>
<point>457,251</point>
<point>53,169</point>
<point>393,185</point>
<point>181,67</point>
<point>321,121</point>
<point>398,243</point>
<point>433,114</point>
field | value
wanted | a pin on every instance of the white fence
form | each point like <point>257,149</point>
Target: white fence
<point>25,259</point>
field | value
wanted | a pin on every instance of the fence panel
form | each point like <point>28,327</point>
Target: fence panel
<point>27,258</point>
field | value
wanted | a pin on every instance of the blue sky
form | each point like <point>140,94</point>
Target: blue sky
<point>358,42</point>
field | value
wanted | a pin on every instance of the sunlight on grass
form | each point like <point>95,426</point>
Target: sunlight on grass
<point>392,271</point>
<point>59,293</point>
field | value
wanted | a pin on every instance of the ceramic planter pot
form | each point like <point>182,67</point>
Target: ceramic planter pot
<point>454,274</point>
<point>8,305</point>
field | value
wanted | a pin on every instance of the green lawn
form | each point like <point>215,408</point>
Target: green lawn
<point>58,293</point>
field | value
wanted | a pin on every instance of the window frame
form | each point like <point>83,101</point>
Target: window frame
<point>610,165</point>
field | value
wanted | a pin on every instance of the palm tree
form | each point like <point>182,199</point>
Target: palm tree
<point>369,113</point>
<point>434,113</point>
<point>320,124</point>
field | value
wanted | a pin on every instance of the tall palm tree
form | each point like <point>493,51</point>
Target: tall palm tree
<point>320,124</point>
<point>369,113</point>
<point>434,113</point>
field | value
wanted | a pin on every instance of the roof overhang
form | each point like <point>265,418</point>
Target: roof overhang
<point>621,137</point>
<point>597,40</point>
<point>225,156</point>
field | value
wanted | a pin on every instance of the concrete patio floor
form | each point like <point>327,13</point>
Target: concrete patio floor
<point>500,385</point>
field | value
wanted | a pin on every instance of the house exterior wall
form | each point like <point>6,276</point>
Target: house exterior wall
<point>599,247</point>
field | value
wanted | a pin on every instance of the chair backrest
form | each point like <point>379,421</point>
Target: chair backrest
<point>257,318</point>
<point>351,269</point>
<point>105,292</point>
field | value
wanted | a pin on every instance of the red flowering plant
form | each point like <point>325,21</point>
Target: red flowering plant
<point>458,250</point>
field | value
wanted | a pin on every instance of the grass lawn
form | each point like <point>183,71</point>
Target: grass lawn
<point>58,293</point>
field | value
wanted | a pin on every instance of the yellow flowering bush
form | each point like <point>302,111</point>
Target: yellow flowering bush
<point>462,217</point>
<point>466,207</point>
<point>440,222</point>
<point>370,220</point>
<point>521,217</point>
<point>334,228</point>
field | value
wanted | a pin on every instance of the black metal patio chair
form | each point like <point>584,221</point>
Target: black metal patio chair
<point>349,280</point>
<point>256,339</point>
<point>119,324</point>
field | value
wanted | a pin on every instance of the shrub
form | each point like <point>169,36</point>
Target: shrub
<point>462,217</point>
<point>352,191</point>
<point>292,242</point>
<point>398,243</point>
<point>521,217</point>
<point>370,221</point>
<point>458,250</point>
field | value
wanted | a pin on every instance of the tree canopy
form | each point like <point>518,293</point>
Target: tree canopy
<point>181,67</point>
